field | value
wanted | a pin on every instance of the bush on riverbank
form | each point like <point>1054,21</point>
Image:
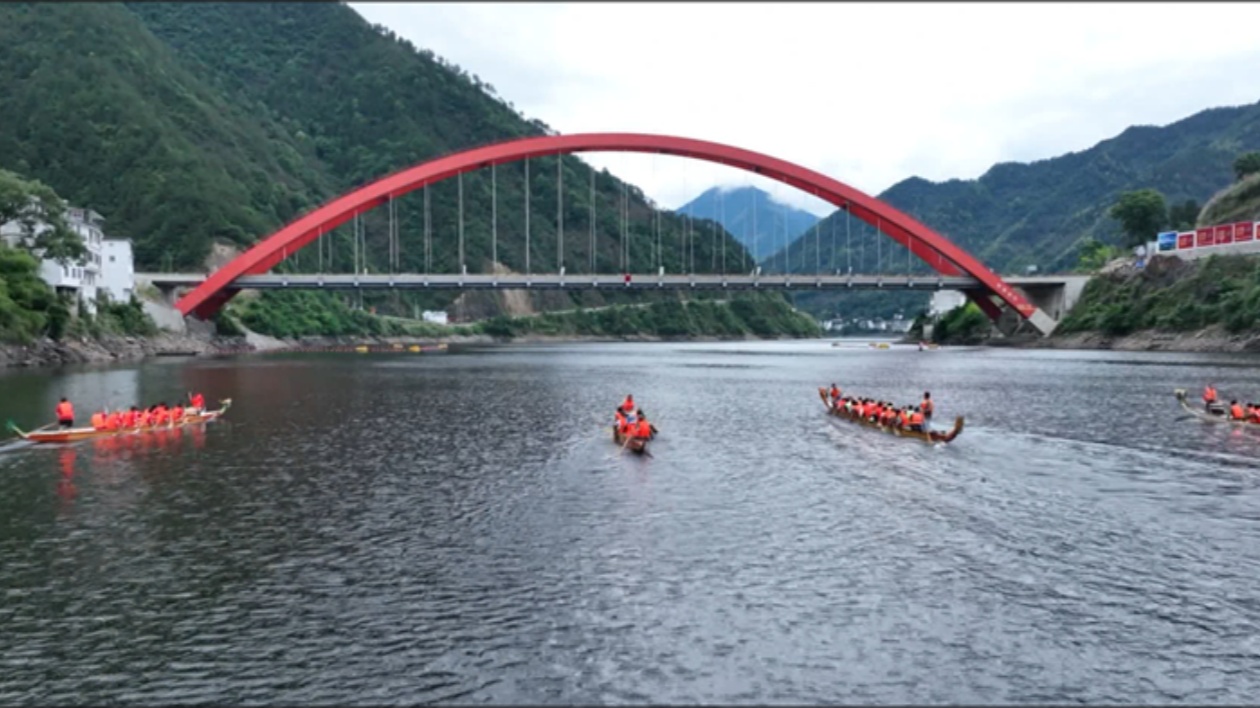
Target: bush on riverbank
<point>965,324</point>
<point>1171,295</point>
<point>27,305</point>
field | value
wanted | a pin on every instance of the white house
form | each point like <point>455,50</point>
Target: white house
<point>435,316</point>
<point>945,300</point>
<point>116,273</point>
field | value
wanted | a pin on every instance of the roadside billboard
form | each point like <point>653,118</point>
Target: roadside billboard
<point>1167,241</point>
<point>1244,231</point>
<point>1203,237</point>
<point>1224,234</point>
<point>1185,239</point>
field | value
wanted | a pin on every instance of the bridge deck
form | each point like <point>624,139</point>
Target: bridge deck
<point>552,281</point>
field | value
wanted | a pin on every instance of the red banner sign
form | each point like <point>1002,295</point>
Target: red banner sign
<point>1224,235</point>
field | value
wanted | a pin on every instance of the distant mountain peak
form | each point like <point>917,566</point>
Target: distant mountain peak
<point>737,209</point>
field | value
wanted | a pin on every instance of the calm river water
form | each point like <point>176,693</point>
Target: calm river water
<point>459,527</point>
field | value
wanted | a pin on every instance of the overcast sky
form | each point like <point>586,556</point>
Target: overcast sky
<point>866,93</point>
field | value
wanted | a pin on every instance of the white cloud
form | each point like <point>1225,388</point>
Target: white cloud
<point>867,93</point>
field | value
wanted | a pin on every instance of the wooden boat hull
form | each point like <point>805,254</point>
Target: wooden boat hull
<point>636,445</point>
<point>930,437</point>
<point>68,435</point>
<point>1209,417</point>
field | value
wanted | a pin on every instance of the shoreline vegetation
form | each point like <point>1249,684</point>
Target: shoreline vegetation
<point>753,318</point>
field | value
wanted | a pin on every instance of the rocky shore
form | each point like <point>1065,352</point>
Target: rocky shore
<point>1209,339</point>
<point>46,352</point>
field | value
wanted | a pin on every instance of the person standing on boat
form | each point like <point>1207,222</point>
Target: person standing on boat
<point>197,401</point>
<point>1209,397</point>
<point>65,413</point>
<point>627,406</point>
<point>927,405</point>
<point>835,395</point>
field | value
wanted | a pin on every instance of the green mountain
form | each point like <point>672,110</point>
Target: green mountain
<point>187,124</point>
<point>1030,214</point>
<point>752,216</point>
<point>1022,214</point>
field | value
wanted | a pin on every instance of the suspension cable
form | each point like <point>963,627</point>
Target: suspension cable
<point>494,217</point>
<point>428,233</point>
<point>463,266</point>
<point>848,234</point>
<point>527,270</point>
<point>560,213</point>
<point>592,218</point>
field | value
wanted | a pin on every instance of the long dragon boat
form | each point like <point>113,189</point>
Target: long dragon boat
<point>65,435</point>
<point>930,437</point>
<point>1221,417</point>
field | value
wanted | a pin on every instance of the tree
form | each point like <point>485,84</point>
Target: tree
<point>1183,216</point>
<point>1247,164</point>
<point>1141,214</point>
<point>33,204</point>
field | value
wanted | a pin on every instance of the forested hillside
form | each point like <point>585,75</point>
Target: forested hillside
<point>1022,214</point>
<point>190,123</point>
<point>1031,214</point>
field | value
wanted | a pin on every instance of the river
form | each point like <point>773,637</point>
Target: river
<point>459,527</point>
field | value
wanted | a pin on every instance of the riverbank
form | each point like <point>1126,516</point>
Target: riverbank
<point>1214,338</point>
<point>46,353</point>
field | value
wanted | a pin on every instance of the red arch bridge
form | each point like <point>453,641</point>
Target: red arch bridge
<point>1028,298</point>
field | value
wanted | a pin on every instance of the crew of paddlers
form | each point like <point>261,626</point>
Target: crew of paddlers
<point>884,412</point>
<point>157,414</point>
<point>1249,412</point>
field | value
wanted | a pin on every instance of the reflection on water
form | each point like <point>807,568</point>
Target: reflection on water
<point>461,528</point>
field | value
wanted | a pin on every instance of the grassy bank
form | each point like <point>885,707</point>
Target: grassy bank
<point>301,314</point>
<point>1170,295</point>
<point>747,316</point>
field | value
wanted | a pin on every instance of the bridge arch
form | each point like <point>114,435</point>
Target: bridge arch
<point>933,248</point>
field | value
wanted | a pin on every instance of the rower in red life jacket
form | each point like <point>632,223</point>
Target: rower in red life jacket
<point>835,395</point>
<point>197,401</point>
<point>1235,411</point>
<point>627,406</point>
<point>916,420</point>
<point>643,429</point>
<point>1209,397</point>
<point>113,421</point>
<point>177,414</point>
<point>926,406</point>
<point>643,419</point>
<point>98,421</point>
<point>65,413</point>
<point>131,418</point>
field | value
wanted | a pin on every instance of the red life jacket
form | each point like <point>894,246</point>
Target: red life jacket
<point>65,411</point>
